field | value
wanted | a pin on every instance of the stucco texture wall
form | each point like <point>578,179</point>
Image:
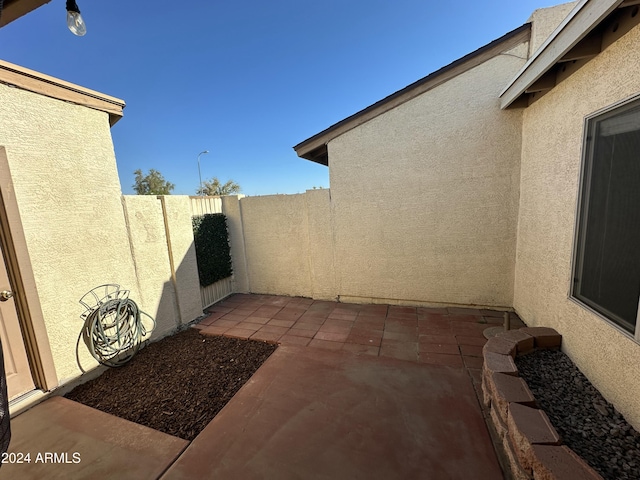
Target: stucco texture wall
<point>424,197</point>
<point>282,244</point>
<point>544,21</point>
<point>231,209</point>
<point>183,255</point>
<point>64,172</point>
<point>321,247</point>
<point>151,260</point>
<point>551,158</point>
<point>172,302</point>
<point>276,235</point>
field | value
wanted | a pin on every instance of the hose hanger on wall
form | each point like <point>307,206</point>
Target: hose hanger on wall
<point>113,329</point>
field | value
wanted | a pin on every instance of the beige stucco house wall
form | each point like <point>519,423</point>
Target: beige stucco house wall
<point>424,197</point>
<point>544,21</point>
<point>424,187</point>
<point>452,197</point>
<point>551,158</point>
<point>63,168</point>
<point>76,230</point>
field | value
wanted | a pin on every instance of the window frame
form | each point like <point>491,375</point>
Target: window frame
<point>586,168</point>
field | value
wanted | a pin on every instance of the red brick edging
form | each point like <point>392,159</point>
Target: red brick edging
<point>531,444</point>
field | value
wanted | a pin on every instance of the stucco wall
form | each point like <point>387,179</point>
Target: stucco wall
<point>424,197</point>
<point>64,172</point>
<point>81,233</point>
<point>551,159</point>
<point>544,21</point>
<point>232,210</point>
<point>321,247</point>
<point>282,244</point>
<point>172,302</point>
<point>182,250</point>
<point>151,260</point>
<point>276,238</point>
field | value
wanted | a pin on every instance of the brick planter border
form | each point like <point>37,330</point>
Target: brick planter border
<point>531,444</point>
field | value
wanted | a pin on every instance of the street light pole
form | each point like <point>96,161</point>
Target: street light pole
<point>199,174</point>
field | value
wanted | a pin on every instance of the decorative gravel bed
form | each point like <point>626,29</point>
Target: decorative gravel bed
<point>178,384</point>
<point>587,423</point>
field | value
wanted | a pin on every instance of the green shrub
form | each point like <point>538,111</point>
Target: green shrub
<point>212,248</point>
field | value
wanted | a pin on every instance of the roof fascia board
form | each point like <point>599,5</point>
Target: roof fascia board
<point>580,21</point>
<point>42,84</point>
<point>506,42</point>
<point>13,10</point>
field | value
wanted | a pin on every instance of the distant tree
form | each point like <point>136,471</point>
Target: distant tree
<point>214,187</point>
<point>152,183</point>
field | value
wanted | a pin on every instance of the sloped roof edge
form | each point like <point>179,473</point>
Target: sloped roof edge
<point>314,148</point>
<point>14,9</point>
<point>26,79</point>
<point>583,19</point>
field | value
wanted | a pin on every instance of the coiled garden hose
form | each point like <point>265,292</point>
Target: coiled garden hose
<point>113,330</point>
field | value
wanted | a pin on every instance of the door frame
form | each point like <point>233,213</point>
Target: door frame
<point>20,271</point>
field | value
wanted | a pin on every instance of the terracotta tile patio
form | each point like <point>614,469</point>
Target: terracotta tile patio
<point>440,336</point>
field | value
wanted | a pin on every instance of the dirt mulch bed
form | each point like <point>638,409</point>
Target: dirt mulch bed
<point>178,384</point>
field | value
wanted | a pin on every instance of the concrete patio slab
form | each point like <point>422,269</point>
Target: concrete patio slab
<point>377,392</point>
<point>68,440</point>
<point>311,413</point>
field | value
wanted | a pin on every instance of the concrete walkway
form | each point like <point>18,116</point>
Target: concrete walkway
<point>372,401</point>
<point>320,414</point>
<point>63,439</point>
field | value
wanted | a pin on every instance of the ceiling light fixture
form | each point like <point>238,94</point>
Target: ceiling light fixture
<point>75,21</point>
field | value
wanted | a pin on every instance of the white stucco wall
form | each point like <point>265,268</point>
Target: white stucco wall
<point>63,169</point>
<point>424,197</point>
<point>551,159</point>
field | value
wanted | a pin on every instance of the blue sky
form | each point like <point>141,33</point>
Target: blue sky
<point>248,80</point>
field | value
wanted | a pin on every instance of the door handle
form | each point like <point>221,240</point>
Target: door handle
<point>5,295</point>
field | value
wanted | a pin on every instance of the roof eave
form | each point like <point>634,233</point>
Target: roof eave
<point>570,42</point>
<point>315,147</point>
<point>14,9</point>
<point>48,86</point>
